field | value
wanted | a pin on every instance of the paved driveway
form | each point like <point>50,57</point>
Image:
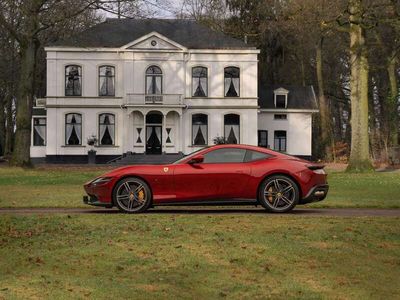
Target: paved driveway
<point>308,212</point>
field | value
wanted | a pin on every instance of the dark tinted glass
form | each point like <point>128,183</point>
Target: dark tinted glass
<point>255,155</point>
<point>280,101</point>
<point>227,155</point>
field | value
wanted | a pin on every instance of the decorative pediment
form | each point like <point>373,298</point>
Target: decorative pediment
<point>154,41</point>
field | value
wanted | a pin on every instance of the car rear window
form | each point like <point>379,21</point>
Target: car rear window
<point>252,155</point>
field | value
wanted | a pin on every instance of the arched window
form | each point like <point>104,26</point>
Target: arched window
<point>73,129</point>
<point>73,80</point>
<point>106,129</point>
<point>232,128</point>
<point>153,80</point>
<point>106,81</point>
<point>232,82</point>
<point>200,129</point>
<point>199,82</point>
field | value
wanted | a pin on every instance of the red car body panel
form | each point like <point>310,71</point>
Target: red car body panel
<point>183,182</point>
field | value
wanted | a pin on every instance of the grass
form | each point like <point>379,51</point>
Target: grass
<point>158,256</point>
<point>62,187</point>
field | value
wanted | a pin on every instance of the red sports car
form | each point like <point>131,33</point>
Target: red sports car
<point>222,174</point>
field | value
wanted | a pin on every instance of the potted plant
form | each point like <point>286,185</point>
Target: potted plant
<point>92,141</point>
<point>219,140</point>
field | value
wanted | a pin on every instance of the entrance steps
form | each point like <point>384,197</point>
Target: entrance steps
<point>145,159</point>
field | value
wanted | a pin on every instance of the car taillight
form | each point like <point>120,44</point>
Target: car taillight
<point>317,169</point>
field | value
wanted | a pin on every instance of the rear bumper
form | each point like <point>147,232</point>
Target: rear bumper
<point>317,193</point>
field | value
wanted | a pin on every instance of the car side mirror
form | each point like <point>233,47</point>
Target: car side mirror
<point>196,160</point>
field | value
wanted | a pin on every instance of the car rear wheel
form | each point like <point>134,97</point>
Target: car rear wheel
<point>278,194</point>
<point>132,195</point>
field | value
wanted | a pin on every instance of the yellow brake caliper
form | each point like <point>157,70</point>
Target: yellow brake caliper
<point>270,198</point>
<point>141,195</point>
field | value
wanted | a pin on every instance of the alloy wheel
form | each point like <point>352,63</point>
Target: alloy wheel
<point>279,194</point>
<point>131,195</point>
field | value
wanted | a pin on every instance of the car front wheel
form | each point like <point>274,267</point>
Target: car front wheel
<point>132,195</point>
<point>278,194</point>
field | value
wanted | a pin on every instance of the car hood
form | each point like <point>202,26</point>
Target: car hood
<point>132,168</point>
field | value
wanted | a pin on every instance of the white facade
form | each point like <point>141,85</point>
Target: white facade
<point>175,103</point>
<point>153,106</point>
<point>298,128</point>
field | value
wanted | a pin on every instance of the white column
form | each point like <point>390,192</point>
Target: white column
<point>164,133</point>
<point>144,130</point>
<point>181,142</point>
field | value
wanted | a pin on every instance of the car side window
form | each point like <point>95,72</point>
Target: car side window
<point>226,155</point>
<point>255,155</point>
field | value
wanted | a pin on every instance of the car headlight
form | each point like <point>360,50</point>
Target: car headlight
<point>101,180</point>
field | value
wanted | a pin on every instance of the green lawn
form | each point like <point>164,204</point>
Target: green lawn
<point>62,187</point>
<point>156,256</point>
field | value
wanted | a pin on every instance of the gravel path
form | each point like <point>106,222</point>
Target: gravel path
<point>309,212</point>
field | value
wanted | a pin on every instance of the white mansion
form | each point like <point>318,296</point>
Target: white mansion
<point>162,86</point>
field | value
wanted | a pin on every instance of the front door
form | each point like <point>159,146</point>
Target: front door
<point>153,139</point>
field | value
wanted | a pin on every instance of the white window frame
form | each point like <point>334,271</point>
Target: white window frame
<point>281,92</point>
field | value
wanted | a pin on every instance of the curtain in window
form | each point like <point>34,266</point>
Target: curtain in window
<point>107,80</point>
<point>153,81</point>
<point>199,129</point>
<point>39,134</point>
<point>73,81</point>
<point>153,135</point>
<point>73,130</point>
<point>107,129</point>
<point>199,82</point>
<point>232,128</point>
<point>232,82</point>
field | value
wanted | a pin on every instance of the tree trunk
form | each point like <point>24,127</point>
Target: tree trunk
<point>359,153</point>
<point>325,119</point>
<point>21,153</point>
<point>2,125</point>
<point>392,105</point>
<point>9,126</point>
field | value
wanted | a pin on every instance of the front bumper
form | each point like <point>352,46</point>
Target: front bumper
<point>317,193</point>
<point>92,200</point>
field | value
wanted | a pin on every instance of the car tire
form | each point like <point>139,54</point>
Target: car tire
<point>278,194</point>
<point>132,195</point>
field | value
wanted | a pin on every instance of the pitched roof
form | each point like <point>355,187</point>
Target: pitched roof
<point>119,32</point>
<point>299,97</point>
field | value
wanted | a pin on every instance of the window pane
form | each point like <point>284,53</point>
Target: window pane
<point>280,101</point>
<point>232,128</point>
<point>199,82</point>
<point>199,129</point>
<point>73,129</point>
<point>153,70</point>
<point>280,140</point>
<point>39,131</point>
<point>73,81</point>
<point>106,129</point>
<point>107,81</point>
<point>232,82</point>
<point>227,155</point>
<point>255,155</point>
<point>263,138</point>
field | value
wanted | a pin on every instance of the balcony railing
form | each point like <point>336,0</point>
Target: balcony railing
<point>164,99</point>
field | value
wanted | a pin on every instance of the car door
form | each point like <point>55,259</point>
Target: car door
<point>222,175</point>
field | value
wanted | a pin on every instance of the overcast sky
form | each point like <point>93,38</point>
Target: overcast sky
<point>160,8</point>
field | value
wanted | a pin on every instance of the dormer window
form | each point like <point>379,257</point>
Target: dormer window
<point>280,98</point>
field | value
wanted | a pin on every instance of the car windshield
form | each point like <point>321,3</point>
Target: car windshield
<point>188,156</point>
